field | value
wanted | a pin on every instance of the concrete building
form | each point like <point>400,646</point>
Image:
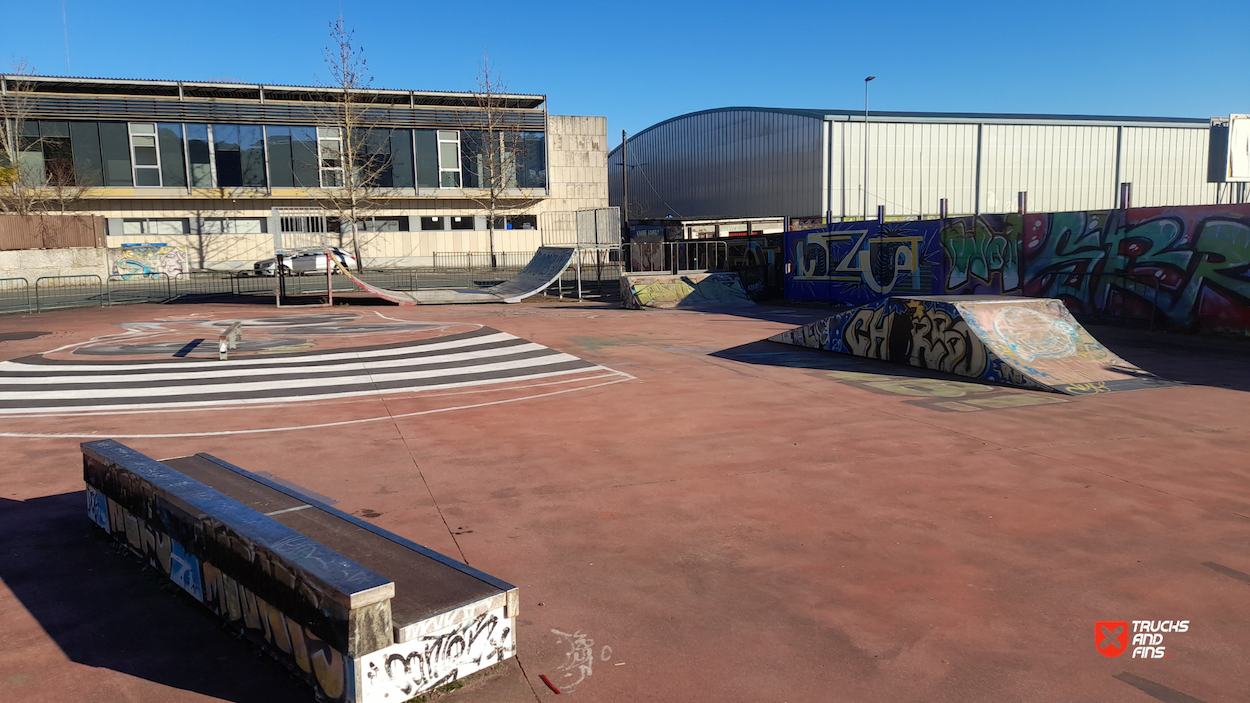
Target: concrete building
<point>741,162</point>
<point>220,169</point>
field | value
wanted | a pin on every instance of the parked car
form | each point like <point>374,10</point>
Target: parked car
<point>302,262</point>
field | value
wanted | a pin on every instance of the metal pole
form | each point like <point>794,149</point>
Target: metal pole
<point>869,78</point>
<point>1022,202</point>
<point>577,253</point>
<point>277,279</point>
<point>329,281</point>
<point>624,188</point>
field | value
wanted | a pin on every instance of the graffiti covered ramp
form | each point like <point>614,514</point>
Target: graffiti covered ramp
<point>1032,343</point>
<point>687,290</point>
<point>548,264</point>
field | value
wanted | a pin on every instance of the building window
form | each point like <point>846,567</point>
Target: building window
<point>515,222</point>
<point>433,223</point>
<point>385,224</point>
<point>200,156</point>
<point>234,225</point>
<point>293,161</point>
<point>465,222</point>
<point>144,155</point>
<point>330,146</point>
<point>448,159</point>
<point>238,155</point>
<point>156,226</point>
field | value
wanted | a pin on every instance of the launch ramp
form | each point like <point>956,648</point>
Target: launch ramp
<point>1032,343</point>
<point>548,264</point>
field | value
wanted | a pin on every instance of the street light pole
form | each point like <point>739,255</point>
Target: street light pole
<point>869,78</point>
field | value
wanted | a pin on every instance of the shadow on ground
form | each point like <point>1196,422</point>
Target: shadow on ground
<point>1195,359</point>
<point>103,609</point>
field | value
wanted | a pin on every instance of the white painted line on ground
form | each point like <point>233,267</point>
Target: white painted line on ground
<point>39,435</point>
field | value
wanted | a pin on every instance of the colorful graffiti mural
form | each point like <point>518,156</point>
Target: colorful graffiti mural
<point>1028,343</point>
<point>1185,266</point>
<point>139,261</point>
<point>858,262</point>
<point>1188,266</point>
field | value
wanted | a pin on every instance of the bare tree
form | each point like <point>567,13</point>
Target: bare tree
<point>497,151</point>
<point>351,169</point>
<point>30,182</point>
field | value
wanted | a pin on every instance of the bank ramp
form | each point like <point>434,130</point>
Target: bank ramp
<point>1032,343</point>
<point>548,264</point>
<point>686,291</point>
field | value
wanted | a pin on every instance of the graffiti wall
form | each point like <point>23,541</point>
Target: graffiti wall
<point>138,261</point>
<point>853,263</point>
<point>1185,266</point>
<point>1188,266</point>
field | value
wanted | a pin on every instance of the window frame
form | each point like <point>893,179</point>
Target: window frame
<point>441,140</point>
<point>135,166</point>
<point>337,137</point>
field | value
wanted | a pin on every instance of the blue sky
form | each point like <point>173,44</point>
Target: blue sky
<point>642,62</point>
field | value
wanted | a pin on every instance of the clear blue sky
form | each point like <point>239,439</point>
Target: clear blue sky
<point>642,62</point>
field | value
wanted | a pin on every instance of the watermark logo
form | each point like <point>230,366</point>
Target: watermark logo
<point>1111,636</point>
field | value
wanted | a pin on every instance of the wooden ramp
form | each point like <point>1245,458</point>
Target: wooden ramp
<point>1032,343</point>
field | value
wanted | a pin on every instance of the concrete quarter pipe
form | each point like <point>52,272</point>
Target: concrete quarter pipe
<point>547,265</point>
<point>1032,343</point>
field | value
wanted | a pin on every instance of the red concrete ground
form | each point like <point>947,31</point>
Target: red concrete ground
<point>743,522</point>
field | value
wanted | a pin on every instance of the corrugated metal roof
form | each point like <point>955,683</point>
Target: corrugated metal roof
<point>969,117</point>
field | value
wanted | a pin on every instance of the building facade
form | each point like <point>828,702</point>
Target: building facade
<point>225,170</point>
<point>811,164</point>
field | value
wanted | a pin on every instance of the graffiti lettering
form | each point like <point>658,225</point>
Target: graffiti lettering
<point>1187,266</point>
<point>991,247</point>
<point>917,334</point>
<point>432,660</point>
<point>579,661</point>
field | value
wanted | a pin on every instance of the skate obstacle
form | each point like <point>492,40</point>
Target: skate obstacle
<point>1032,343</point>
<point>361,614</point>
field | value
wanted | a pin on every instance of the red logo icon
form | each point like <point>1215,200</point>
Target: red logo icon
<point>1111,637</point>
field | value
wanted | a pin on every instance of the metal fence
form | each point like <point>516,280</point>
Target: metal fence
<point>597,270</point>
<point>14,295</point>
<point>676,257</point>
<point>53,292</point>
<point>147,288</point>
<point>482,259</point>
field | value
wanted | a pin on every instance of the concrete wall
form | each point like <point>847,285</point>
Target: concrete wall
<point>32,264</point>
<point>577,163</point>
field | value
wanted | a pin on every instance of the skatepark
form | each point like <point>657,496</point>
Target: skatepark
<point>685,509</point>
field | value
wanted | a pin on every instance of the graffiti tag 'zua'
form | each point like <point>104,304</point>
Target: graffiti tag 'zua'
<point>874,262</point>
<point>410,668</point>
<point>918,335</point>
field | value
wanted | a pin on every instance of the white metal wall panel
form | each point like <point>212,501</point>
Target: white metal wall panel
<point>1167,166</point>
<point>912,166</point>
<point>1062,168</point>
